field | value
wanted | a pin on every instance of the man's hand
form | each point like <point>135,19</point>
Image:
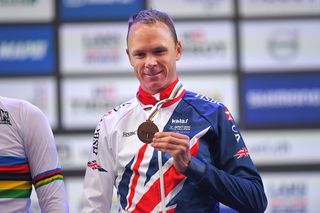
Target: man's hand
<point>175,144</point>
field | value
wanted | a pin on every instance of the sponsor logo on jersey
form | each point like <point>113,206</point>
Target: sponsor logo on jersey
<point>95,141</point>
<point>116,109</point>
<point>179,121</point>
<point>205,98</point>
<point>233,127</point>
<point>93,165</point>
<point>236,133</point>
<point>228,114</point>
<point>180,125</point>
<point>4,117</point>
<point>128,134</point>
<point>242,153</point>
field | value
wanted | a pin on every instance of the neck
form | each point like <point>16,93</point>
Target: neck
<point>148,99</point>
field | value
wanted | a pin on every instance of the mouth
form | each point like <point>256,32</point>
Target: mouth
<point>153,73</point>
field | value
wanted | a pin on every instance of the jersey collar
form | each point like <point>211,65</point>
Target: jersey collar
<point>148,99</point>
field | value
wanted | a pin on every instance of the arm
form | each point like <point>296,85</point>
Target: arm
<point>99,177</point>
<point>234,180</point>
<point>43,160</point>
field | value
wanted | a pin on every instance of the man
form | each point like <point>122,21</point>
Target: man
<point>168,149</point>
<point>28,156</point>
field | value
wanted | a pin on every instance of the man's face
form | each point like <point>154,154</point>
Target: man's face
<point>153,55</point>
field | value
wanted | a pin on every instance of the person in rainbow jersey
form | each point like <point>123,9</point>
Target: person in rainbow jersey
<point>28,157</point>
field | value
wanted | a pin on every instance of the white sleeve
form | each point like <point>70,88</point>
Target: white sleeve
<point>43,159</point>
<point>99,178</point>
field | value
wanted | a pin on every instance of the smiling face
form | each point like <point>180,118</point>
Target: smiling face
<point>153,54</point>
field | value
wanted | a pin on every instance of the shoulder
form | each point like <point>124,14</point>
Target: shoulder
<point>20,109</point>
<point>202,103</point>
<point>113,116</point>
<point>16,106</point>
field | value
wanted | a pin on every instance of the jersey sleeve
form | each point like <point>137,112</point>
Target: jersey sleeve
<point>99,178</point>
<point>43,160</point>
<point>233,179</point>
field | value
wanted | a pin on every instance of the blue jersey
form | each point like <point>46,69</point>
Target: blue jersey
<point>220,169</point>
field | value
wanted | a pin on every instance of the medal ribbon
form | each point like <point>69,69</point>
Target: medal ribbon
<point>155,109</point>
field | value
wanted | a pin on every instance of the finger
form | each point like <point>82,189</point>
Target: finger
<point>167,140</point>
<point>172,134</point>
<point>172,147</point>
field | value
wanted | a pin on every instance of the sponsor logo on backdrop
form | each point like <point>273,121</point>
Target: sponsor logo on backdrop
<point>64,151</point>
<point>196,43</point>
<point>102,98</point>
<point>274,149</point>
<point>40,95</point>
<point>27,50</point>
<point>294,7</point>
<point>288,197</point>
<point>81,3</point>
<point>23,50</point>
<point>277,2</point>
<point>17,2</point>
<point>206,3</point>
<point>283,44</point>
<point>93,9</point>
<point>102,48</point>
<point>283,98</point>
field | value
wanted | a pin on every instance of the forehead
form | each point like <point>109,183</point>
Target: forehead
<point>149,31</point>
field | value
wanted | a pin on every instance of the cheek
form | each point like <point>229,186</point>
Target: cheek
<point>137,71</point>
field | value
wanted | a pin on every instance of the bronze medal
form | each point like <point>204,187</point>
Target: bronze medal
<point>146,131</point>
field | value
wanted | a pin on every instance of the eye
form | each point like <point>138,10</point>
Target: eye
<point>139,54</point>
<point>160,51</point>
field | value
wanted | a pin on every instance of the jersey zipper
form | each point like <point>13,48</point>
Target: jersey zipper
<point>162,188</point>
<point>162,192</point>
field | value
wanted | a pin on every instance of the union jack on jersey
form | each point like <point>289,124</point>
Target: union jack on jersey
<point>242,153</point>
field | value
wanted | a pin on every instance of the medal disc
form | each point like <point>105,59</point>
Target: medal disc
<point>146,131</point>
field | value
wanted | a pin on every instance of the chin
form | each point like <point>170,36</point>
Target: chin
<point>155,87</point>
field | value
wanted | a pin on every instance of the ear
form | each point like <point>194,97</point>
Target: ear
<point>178,51</point>
<point>128,54</point>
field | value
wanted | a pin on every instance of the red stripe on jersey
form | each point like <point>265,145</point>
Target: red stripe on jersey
<point>136,174</point>
<point>49,174</point>
<point>22,168</point>
<point>172,178</point>
<point>170,210</point>
<point>150,199</point>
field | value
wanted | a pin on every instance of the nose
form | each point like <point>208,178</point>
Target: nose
<point>150,62</point>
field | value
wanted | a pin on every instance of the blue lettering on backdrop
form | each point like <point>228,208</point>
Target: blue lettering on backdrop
<point>281,100</point>
<point>102,9</point>
<point>26,50</point>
